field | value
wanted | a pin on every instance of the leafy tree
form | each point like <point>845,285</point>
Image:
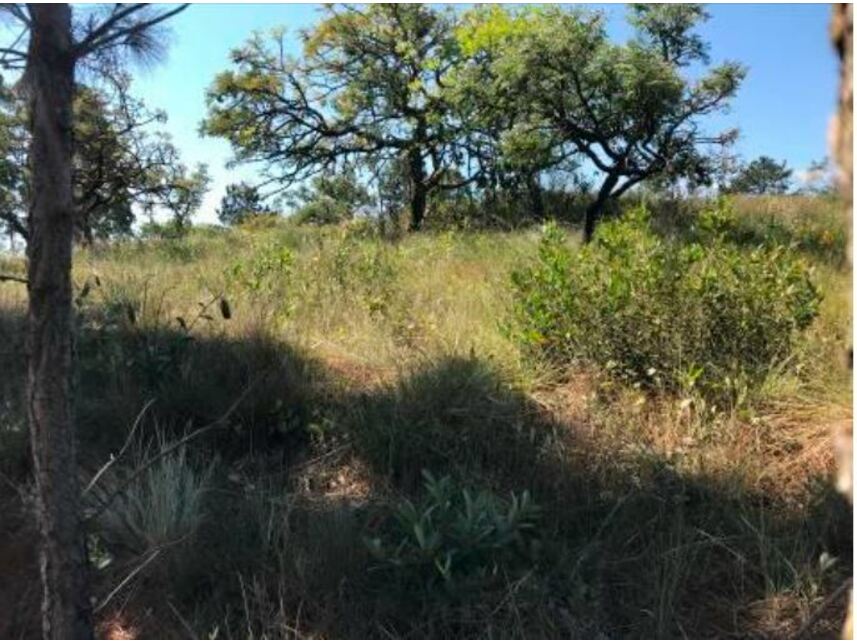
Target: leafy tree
<point>178,192</point>
<point>48,46</point>
<point>240,202</point>
<point>509,143</point>
<point>762,176</point>
<point>627,109</point>
<point>120,166</point>
<point>669,28</point>
<point>13,165</point>
<point>331,199</point>
<point>371,86</point>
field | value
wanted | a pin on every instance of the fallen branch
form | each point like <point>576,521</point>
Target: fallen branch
<point>125,446</point>
<point>126,580</point>
<point>15,278</point>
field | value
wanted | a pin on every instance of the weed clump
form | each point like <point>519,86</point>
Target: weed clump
<point>704,317</point>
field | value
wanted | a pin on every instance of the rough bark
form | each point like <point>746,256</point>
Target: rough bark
<point>841,142</point>
<point>49,79</point>
<point>419,191</point>
<point>596,208</point>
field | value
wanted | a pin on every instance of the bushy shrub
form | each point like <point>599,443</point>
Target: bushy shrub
<point>365,270</point>
<point>663,314</point>
<point>456,538</point>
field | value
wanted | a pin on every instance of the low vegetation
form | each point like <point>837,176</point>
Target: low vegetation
<point>704,316</point>
<point>323,432</point>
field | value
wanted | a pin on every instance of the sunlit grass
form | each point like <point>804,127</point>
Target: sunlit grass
<point>371,358</point>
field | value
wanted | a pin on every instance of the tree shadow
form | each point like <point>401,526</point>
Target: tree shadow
<point>258,395</point>
<point>261,389</point>
<point>630,545</point>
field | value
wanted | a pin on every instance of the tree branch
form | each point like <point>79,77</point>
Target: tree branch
<point>109,32</point>
<point>16,278</point>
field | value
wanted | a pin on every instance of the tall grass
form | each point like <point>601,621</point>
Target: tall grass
<point>355,362</point>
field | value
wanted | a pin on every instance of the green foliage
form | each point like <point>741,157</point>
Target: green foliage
<point>366,269</point>
<point>816,227</point>
<point>813,226</point>
<point>644,508</point>
<point>704,316</point>
<point>369,87</point>
<point>241,202</point>
<point>629,109</point>
<point>762,176</point>
<point>669,28</point>
<point>121,165</point>
<point>110,333</point>
<point>458,539</point>
<point>331,199</point>
<point>268,270</point>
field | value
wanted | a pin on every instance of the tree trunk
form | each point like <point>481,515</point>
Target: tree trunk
<point>537,202</point>
<point>419,192</point>
<point>596,208</point>
<point>841,140</point>
<point>50,80</point>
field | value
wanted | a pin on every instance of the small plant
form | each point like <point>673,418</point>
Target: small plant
<point>162,507</point>
<point>366,269</point>
<point>129,333</point>
<point>455,537</point>
<point>664,314</point>
<point>269,267</point>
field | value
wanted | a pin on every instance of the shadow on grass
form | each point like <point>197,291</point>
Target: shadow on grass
<point>630,547</point>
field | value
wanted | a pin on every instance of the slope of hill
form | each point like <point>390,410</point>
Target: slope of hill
<point>274,394</point>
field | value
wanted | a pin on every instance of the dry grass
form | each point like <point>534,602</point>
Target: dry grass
<point>370,360</point>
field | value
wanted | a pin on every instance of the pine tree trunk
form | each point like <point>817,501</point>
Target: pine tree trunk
<point>50,80</point>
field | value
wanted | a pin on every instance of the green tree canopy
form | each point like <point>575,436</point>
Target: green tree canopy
<point>630,110</point>
<point>762,176</point>
<point>121,167</point>
<point>371,85</point>
<point>240,202</point>
<point>330,198</point>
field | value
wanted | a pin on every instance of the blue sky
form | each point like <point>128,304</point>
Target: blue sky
<point>782,110</point>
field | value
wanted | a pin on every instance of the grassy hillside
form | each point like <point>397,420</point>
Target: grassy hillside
<point>302,379</point>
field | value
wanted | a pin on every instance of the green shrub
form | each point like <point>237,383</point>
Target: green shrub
<point>366,270</point>
<point>261,222</point>
<point>455,538</point>
<point>268,269</point>
<point>705,316</point>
